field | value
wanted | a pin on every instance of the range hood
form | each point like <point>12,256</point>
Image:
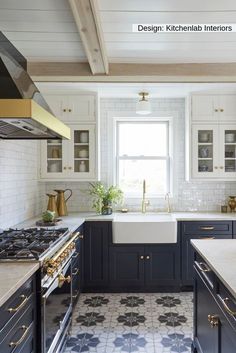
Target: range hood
<point>24,114</point>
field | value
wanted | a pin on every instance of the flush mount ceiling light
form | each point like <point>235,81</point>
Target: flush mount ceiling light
<point>143,106</point>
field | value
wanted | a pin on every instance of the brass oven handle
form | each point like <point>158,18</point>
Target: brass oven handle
<point>73,238</point>
<point>207,228</point>
<point>76,272</point>
<point>213,320</point>
<point>17,308</point>
<point>202,266</point>
<point>62,279</point>
<point>227,308</point>
<point>17,343</point>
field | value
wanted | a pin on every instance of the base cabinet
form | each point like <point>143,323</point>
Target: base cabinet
<point>214,328</point>
<point>146,268</point>
<point>97,237</point>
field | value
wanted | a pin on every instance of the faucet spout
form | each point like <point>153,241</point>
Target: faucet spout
<point>145,202</point>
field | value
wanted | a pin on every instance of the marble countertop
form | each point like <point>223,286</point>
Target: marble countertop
<point>13,275</point>
<point>220,255</point>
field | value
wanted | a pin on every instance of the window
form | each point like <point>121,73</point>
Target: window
<point>142,152</point>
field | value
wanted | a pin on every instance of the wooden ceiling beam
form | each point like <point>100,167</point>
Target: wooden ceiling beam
<point>86,15</point>
<point>80,72</point>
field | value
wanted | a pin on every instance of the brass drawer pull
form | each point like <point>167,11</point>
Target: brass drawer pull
<point>76,272</point>
<point>17,343</point>
<point>16,309</point>
<point>227,308</point>
<point>202,266</point>
<point>207,228</point>
<point>206,238</point>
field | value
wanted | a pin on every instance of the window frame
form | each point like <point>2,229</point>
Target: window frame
<point>168,157</point>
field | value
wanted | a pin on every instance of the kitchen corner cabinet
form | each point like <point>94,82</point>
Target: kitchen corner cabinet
<point>96,241</point>
<point>214,326</point>
<point>214,151</point>
<point>77,158</point>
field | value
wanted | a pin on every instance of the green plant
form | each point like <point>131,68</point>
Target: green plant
<point>104,196</point>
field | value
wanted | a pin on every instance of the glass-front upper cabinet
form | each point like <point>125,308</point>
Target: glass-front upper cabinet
<point>53,158</point>
<point>204,151</point>
<point>228,139</point>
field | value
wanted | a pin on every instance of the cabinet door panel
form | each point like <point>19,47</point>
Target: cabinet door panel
<point>203,108</point>
<point>97,236</point>
<point>127,266</point>
<point>228,150</point>
<point>227,104</point>
<point>162,265</point>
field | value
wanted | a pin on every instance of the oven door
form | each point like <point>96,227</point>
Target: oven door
<point>57,310</point>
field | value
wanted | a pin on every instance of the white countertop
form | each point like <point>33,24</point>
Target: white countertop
<point>220,255</point>
<point>13,275</point>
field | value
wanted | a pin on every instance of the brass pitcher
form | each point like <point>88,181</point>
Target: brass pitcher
<point>61,201</point>
<point>52,206</point>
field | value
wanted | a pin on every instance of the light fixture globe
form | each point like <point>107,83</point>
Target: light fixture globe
<point>143,106</point>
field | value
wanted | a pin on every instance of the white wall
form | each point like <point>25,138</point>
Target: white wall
<point>189,196</point>
<point>21,194</point>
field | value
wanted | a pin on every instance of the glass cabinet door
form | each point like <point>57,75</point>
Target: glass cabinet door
<point>83,151</point>
<point>228,137</point>
<point>54,156</point>
<point>204,151</point>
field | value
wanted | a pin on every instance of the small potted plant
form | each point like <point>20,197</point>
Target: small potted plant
<point>105,197</point>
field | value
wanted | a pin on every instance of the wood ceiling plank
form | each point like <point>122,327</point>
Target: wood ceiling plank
<point>35,5</point>
<point>42,36</point>
<point>88,23</point>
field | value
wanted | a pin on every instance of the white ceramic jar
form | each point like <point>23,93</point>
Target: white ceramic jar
<point>83,153</point>
<point>82,167</point>
<point>83,137</point>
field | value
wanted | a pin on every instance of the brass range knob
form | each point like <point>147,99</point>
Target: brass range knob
<point>213,320</point>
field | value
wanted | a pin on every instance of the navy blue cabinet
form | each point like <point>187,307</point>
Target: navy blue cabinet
<point>214,326</point>
<point>18,321</point>
<point>199,230</point>
<point>96,241</point>
<point>145,268</point>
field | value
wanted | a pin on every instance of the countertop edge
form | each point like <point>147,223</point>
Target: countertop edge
<point>32,269</point>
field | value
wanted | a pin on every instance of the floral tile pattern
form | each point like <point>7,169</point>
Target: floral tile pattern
<point>142,323</point>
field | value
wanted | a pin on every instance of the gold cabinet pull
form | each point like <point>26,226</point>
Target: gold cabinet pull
<point>207,228</point>
<point>64,168</point>
<point>64,110</point>
<point>76,272</point>
<point>69,110</point>
<point>221,110</point>
<point>216,110</point>
<point>213,320</point>
<point>226,306</point>
<point>141,257</point>
<point>206,238</point>
<point>17,343</point>
<point>216,167</point>
<point>17,308</point>
<point>147,257</point>
<point>69,168</point>
<point>202,266</point>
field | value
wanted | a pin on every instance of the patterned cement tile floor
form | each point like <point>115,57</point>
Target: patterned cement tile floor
<point>145,323</point>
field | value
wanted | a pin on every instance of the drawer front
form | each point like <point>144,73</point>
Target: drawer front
<point>15,306</point>
<point>204,269</point>
<point>20,333</point>
<point>213,228</point>
<point>227,303</point>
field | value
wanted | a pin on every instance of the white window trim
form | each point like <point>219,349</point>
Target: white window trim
<point>171,117</point>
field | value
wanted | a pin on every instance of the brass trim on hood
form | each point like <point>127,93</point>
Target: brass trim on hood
<point>28,109</point>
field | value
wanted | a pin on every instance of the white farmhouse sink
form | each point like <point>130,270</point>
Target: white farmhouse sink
<point>144,229</point>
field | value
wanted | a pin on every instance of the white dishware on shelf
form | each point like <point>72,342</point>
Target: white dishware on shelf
<point>83,153</point>
<point>53,167</point>
<point>82,167</point>
<point>204,137</point>
<point>83,137</point>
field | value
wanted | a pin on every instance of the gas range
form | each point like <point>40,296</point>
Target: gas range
<point>31,243</point>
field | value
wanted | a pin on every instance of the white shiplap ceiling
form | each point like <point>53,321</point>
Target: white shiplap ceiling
<point>42,30</point>
<point>122,45</point>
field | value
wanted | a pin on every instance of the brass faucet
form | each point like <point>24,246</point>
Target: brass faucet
<point>145,202</point>
<point>167,198</point>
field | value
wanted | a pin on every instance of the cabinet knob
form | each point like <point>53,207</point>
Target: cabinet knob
<point>65,168</point>
<point>147,257</point>
<point>69,110</point>
<point>221,167</point>
<point>221,110</point>
<point>70,168</point>
<point>141,257</point>
<point>64,110</point>
<point>216,167</point>
<point>216,110</point>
